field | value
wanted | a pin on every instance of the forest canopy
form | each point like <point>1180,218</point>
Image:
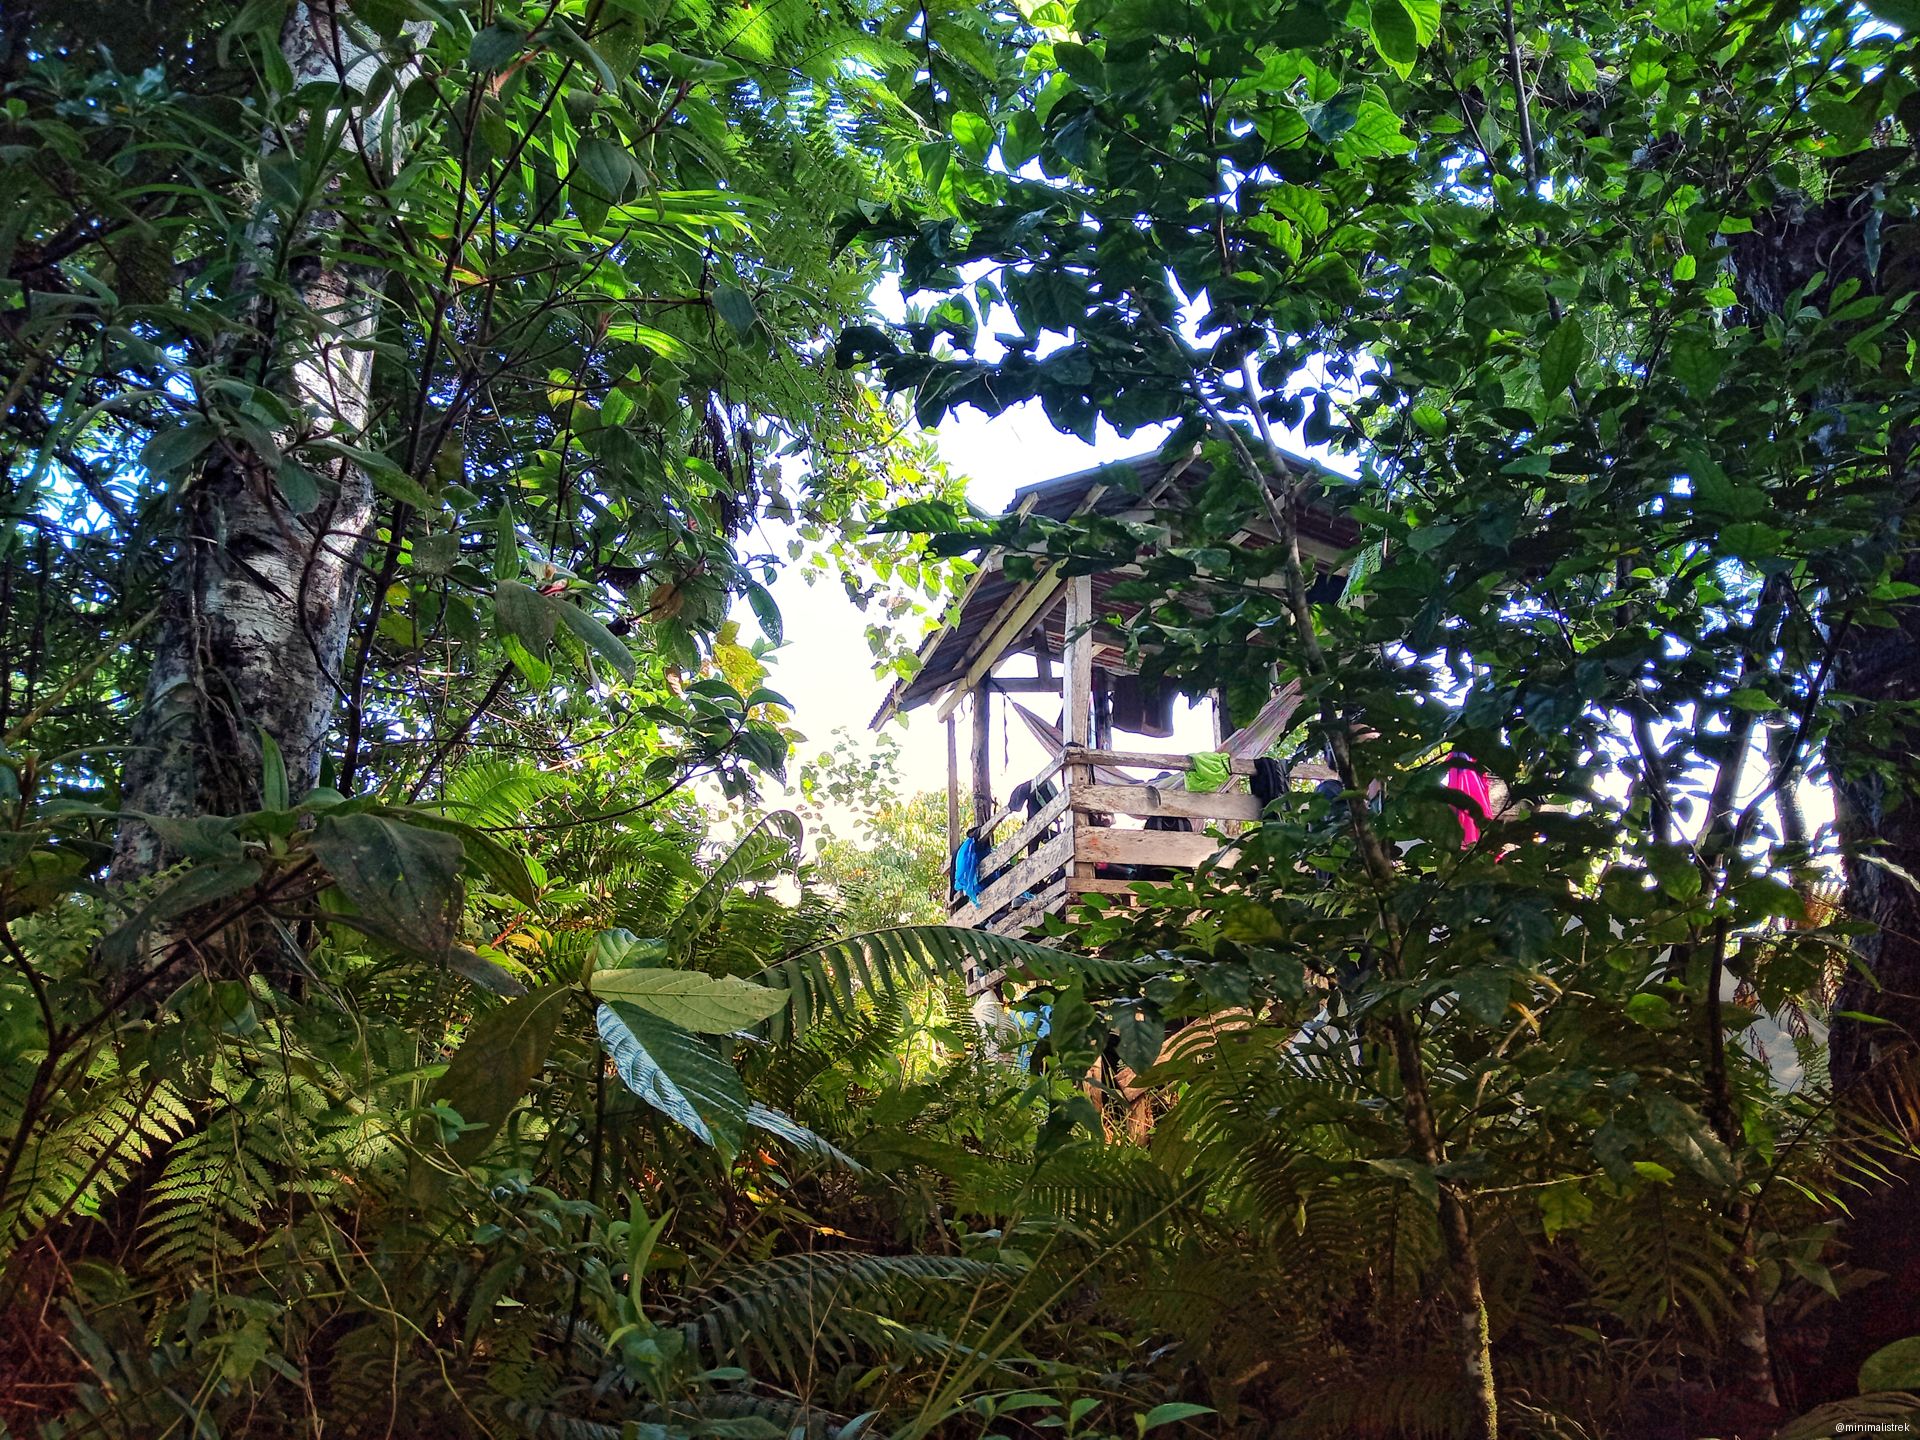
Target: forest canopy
<point>422,1011</point>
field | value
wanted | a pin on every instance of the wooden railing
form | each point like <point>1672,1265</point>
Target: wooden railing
<point>1058,848</point>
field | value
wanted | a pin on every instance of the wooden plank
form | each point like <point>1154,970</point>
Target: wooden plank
<point>1077,674</point>
<point>1018,611</point>
<point>1144,847</point>
<point>1016,921</point>
<point>1006,812</point>
<point>1145,800</point>
<point>982,757</point>
<point>1141,760</point>
<point>953,788</point>
<point>1100,885</point>
<point>1026,834</point>
<point>1031,873</point>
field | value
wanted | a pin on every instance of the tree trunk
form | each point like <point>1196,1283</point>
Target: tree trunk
<point>260,600</point>
<point>1870,758</point>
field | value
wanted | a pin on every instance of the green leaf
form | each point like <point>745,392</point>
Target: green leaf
<point>386,18</point>
<point>1081,65</point>
<point>506,546</point>
<point>526,615</point>
<point>780,1124</point>
<point>1426,18</point>
<point>495,45</point>
<point>1902,14</point>
<point>400,487</point>
<point>1168,1413</point>
<point>681,1075</point>
<point>609,646</point>
<point>171,451</point>
<point>1892,1367</point>
<point>1483,991</point>
<point>616,948</point>
<point>484,853</point>
<point>606,167</point>
<point>767,612</point>
<point>1561,356</point>
<point>1419,1178</point>
<point>1395,35</point>
<point>707,1004</point>
<point>403,879</point>
<point>1564,1206</point>
<point>201,886</point>
<point>1688,1135</point>
<point>736,308</point>
<point>273,774</point>
<point>1673,866</point>
<point>1141,1032</point>
<point>974,133</point>
<point>299,486</point>
<point>489,975</point>
<point>503,1050</point>
<point>1697,364</point>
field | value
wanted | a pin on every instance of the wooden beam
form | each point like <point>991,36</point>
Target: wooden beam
<point>1020,608</point>
<point>1076,679</point>
<point>1099,886</point>
<point>982,754</point>
<point>1145,760</point>
<point>953,788</point>
<point>1076,707</point>
<point>1007,624</point>
<point>1146,800</point>
<point>1143,847</point>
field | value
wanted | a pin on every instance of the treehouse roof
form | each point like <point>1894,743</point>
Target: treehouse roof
<point>998,615</point>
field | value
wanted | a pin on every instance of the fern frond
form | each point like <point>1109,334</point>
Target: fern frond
<point>825,980</point>
<point>796,1309</point>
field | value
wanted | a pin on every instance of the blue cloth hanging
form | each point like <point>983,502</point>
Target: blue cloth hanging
<point>966,870</point>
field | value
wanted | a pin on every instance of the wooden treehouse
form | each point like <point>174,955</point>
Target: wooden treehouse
<point>1110,807</point>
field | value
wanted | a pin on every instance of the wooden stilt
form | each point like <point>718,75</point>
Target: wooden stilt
<point>953,787</point>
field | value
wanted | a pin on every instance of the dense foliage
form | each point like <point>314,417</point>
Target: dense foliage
<point>407,404</point>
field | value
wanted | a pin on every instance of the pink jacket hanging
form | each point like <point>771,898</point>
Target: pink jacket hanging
<point>1466,778</point>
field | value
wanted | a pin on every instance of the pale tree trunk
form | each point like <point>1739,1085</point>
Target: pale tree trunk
<point>260,600</point>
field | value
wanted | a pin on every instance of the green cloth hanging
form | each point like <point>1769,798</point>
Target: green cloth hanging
<point>1209,771</point>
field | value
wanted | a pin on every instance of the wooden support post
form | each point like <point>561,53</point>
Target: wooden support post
<point>953,787</point>
<point>1077,674</point>
<point>982,753</point>
<point>1102,710</point>
<point>1076,716</point>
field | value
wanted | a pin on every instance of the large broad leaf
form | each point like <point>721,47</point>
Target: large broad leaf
<point>526,615</point>
<point>491,1070</point>
<point>683,1076</point>
<point>609,646</point>
<point>486,854</point>
<point>709,1004</point>
<point>403,879</point>
<point>1892,1367</point>
<point>1561,356</point>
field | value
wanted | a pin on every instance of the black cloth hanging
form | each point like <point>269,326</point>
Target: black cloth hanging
<point>1269,781</point>
<point>1142,708</point>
